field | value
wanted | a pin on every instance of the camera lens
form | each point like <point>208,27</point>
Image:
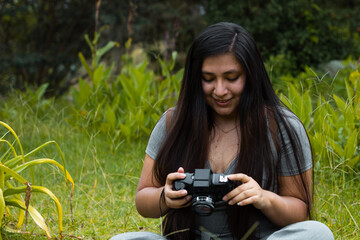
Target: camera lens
<point>203,205</point>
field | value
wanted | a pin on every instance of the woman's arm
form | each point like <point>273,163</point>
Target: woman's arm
<point>287,207</point>
<point>149,191</point>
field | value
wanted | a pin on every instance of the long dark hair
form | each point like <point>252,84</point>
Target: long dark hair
<point>187,141</point>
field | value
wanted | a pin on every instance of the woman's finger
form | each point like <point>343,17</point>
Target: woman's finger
<point>239,177</point>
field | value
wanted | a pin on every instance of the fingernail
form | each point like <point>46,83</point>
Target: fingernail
<point>225,198</point>
<point>239,203</point>
<point>188,198</point>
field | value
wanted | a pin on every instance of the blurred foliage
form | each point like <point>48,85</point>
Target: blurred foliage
<point>304,32</point>
<point>332,121</point>
<point>325,79</point>
<point>127,104</point>
<point>39,41</point>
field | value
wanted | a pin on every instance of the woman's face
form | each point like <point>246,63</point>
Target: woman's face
<point>223,80</point>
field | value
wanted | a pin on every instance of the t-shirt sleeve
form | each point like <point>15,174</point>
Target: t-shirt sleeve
<point>157,137</point>
<point>288,165</point>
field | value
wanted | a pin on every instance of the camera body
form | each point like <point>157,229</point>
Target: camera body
<point>206,188</point>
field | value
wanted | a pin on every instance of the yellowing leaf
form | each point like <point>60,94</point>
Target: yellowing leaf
<point>36,216</point>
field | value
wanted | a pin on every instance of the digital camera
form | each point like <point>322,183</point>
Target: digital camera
<point>206,188</point>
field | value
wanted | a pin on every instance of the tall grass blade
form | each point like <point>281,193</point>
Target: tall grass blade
<point>16,137</point>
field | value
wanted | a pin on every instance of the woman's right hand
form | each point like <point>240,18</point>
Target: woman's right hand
<point>176,199</point>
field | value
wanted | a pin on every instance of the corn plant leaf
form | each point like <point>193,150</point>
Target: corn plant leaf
<point>36,216</point>
<point>21,215</point>
<point>10,146</point>
<point>17,190</point>
<point>42,161</point>
<point>12,173</point>
<point>2,207</point>
<point>351,144</point>
<point>16,137</point>
<point>59,150</point>
<point>12,162</point>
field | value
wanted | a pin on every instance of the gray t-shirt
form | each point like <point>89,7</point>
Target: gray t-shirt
<point>216,223</point>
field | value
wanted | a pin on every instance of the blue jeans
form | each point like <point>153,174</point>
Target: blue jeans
<point>307,230</point>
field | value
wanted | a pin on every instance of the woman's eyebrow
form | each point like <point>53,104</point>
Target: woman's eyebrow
<point>227,72</point>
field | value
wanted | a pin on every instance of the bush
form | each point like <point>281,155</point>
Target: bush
<point>333,123</point>
<point>305,31</point>
<point>129,103</point>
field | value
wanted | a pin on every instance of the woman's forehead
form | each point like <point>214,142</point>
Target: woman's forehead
<point>221,63</point>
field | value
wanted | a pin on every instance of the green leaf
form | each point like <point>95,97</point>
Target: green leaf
<point>98,76</point>
<point>337,148</point>
<point>340,103</point>
<point>100,52</point>
<point>17,190</point>
<point>41,91</point>
<point>349,91</point>
<point>84,92</point>
<point>351,144</point>
<point>36,216</point>
<point>11,173</point>
<point>110,117</point>
<point>86,65</point>
<point>352,162</point>
<point>42,161</point>
<point>2,208</point>
<point>16,137</point>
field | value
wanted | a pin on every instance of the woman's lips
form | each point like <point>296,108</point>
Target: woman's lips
<point>222,103</point>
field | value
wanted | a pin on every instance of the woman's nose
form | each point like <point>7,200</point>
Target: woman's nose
<point>220,88</point>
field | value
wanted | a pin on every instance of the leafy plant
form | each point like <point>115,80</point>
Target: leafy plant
<point>334,124</point>
<point>128,103</point>
<point>13,184</point>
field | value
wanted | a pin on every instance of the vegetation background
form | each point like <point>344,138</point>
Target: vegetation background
<point>95,76</point>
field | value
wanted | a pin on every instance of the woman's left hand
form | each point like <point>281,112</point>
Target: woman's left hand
<point>249,192</point>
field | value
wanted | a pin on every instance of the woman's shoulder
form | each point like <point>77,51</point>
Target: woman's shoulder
<point>158,133</point>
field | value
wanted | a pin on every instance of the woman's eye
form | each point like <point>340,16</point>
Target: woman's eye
<point>231,79</point>
<point>207,79</point>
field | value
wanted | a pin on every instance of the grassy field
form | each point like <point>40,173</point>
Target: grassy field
<point>106,168</point>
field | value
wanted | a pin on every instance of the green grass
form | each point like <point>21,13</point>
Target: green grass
<point>106,169</point>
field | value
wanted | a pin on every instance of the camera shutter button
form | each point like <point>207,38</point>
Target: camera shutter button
<point>179,185</point>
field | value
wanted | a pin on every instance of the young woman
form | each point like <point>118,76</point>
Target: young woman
<point>228,119</point>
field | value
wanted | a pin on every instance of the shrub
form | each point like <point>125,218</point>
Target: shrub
<point>334,124</point>
<point>128,103</point>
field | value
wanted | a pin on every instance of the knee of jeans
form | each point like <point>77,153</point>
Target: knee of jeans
<point>320,229</point>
